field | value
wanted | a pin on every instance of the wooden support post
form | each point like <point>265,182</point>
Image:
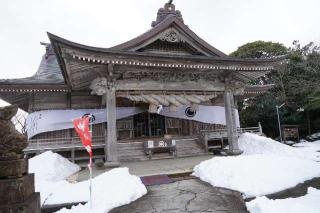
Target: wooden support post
<point>206,142</point>
<point>231,124</point>
<point>111,146</point>
<point>72,151</point>
<point>260,129</point>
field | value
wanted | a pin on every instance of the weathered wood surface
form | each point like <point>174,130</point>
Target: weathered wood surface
<point>111,145</point>
<point>85,101</point>
<point>231,125</point>
<point>128,150</point>
<point>43,101</point>
<point>173,86</point>
<point>221,134</point>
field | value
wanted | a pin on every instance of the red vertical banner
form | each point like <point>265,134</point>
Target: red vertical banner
<point>82,127</point>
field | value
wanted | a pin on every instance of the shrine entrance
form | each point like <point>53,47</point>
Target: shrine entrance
<point>148,125</point>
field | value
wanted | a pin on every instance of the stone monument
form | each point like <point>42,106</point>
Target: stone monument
<point>17,193</point>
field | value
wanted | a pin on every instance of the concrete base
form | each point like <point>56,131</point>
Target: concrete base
<point>99,164</point>
<point>234,152</point>
<point>16,190</point>
<point>31,205</point>
<point>111,164</point>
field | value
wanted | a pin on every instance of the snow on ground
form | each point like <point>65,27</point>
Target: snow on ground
<point>308,146</point>
<point>257,175</point>
<point>50,171</point>
<point>266,166</point>
<point>110,189</point>
<point>308,203</point>
<point>51,166</point>
<point>255,144</point>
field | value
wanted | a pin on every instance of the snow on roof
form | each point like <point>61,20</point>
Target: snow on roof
<point>48,72</point>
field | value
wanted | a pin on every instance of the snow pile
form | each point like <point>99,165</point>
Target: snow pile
<point>308,203</point>
<point>51,166</point>
<point>50,171</point>
<point>257,175</point>
<point>111,189</point>
<point>255,144</point>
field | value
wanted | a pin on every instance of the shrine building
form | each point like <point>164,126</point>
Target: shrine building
<point>166,90</point>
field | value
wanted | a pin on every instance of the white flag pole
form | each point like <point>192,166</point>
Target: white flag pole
<point>90,170</point>
<point>90,162</point>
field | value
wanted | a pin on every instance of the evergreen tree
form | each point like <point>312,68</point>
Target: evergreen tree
<point>297,83</point>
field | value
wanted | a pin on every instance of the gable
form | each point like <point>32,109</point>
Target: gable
<point>170,42</point>
<point>170,35</point>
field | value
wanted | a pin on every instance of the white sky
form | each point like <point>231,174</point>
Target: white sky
<point>225,24</point>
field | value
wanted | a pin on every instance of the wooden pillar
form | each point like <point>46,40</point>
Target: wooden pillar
<point>231,123</point>
<point>111,145</point>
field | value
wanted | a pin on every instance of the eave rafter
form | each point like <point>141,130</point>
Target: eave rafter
<point>184,64</point>
<point>78,58</point>
<point>26,88</point>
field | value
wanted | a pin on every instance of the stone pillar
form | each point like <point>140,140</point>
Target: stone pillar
<point>231,123</point>
<point>17,192</point>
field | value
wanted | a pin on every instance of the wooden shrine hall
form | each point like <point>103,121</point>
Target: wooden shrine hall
<point>162,89</point>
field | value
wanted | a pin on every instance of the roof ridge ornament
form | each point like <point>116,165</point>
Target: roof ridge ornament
<point>164,12</point>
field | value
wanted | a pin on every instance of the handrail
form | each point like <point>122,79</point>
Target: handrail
<point>64,139</point>
<point>257,129</point>
<point>72,142</point>
<point>238,129</point>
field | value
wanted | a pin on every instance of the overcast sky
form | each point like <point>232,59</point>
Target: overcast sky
<point>225,24</point>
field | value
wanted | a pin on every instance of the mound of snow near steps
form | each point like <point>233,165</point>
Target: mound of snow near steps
<point>256,175</point>
<point>110,189</point>
<point>51,170</point>
<point>51,166</point>
<point>308,204</point>
<point>252,144</point>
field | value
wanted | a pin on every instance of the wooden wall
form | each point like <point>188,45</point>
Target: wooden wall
<point>44,101</point>
<point>83,101</point>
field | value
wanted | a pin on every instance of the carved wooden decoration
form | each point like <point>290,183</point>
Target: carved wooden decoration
<point>171,35</point>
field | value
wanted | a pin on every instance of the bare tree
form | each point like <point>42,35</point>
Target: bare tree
<point>19,121</point>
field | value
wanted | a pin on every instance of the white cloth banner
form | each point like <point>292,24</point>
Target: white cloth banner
<point>53,120</point>
<point>205,114</point>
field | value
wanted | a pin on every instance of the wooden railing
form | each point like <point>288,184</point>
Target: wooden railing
<point>220,134</point>
<point>61,143</point>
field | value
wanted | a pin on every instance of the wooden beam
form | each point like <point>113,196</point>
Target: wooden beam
<point>169,86</point>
